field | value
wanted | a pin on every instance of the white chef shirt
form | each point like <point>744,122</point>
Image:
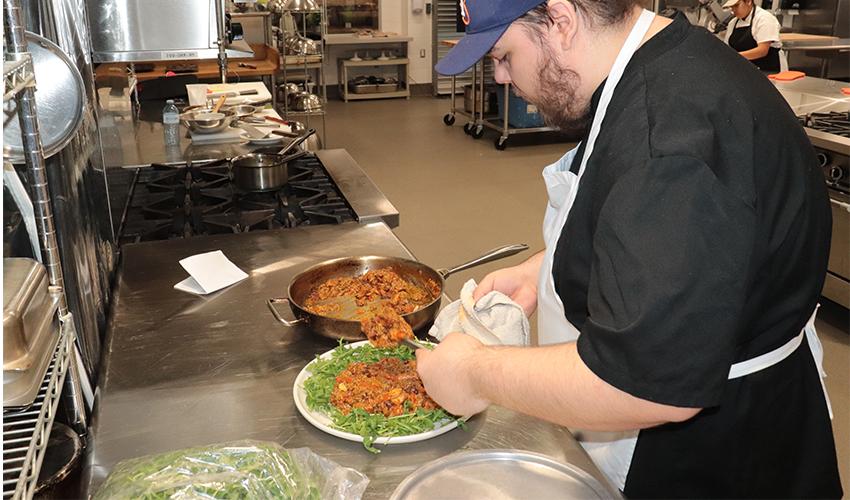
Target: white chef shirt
<point>765,27</point>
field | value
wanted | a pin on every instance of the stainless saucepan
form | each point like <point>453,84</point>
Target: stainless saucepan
<point>303,284</point>
<point>262,171</point>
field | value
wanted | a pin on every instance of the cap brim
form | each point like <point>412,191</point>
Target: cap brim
<point>469,50</point>
<point>730,3</point>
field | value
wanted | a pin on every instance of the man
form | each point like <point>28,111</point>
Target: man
<point>686,246</point>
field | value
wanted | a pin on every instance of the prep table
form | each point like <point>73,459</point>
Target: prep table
<point>182,370</point>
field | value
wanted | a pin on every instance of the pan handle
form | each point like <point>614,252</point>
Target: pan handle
<point>277,316</point>
<point>495,254</point>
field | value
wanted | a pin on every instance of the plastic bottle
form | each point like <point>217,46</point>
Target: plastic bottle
<point>171,123</point>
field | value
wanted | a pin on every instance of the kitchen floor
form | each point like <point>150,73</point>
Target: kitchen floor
<point>459,197</point>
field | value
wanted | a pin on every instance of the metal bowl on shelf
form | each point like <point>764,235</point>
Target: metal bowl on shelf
<point>205,121</point>
<point>301,6</point>
<point>275,6</point>
<point>301,46</point>
<point>305,101</point>
<point>289,90</point>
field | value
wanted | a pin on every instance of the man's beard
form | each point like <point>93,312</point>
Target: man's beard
<point>557,98</point>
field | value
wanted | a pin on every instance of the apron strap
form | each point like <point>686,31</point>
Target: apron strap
<point>777,355</point>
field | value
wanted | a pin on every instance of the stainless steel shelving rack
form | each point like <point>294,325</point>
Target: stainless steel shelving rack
<point>26,432</point>
<point>304,65</point>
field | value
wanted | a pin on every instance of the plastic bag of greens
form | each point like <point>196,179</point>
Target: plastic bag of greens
<point>243,469</point>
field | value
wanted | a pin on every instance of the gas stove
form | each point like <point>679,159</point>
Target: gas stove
<point>830,135</point>
<point>834,122</point>
<point>167,202</point>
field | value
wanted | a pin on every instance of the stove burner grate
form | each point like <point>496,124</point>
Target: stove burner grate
<point>834,122</point>
<point>196,199</point>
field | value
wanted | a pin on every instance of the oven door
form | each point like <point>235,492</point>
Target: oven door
<point>837,284</point>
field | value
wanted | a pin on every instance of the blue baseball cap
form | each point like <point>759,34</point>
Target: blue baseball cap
<point>486,21</point>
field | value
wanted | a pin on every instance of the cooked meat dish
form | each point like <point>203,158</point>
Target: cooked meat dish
<point>385,328</point>
<point>381,387</point>
<point>379,286</point>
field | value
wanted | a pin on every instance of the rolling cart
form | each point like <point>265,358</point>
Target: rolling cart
<point>474,126</point>
<point>500,123</point>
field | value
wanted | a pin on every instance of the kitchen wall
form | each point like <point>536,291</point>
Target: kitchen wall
<point>396,16</point>
<point>822,17</point>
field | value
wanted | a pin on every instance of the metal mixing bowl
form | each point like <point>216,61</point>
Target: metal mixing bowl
<point>305,101</point>
<point>242,110</point>
<point>204,121</point>
<point>301,46</point>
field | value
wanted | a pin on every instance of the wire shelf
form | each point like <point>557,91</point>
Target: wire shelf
<point>25,432</point>
<point>17,75</point>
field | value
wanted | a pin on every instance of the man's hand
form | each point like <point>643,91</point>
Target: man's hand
<point>518,282</point>
<point>448,373</point>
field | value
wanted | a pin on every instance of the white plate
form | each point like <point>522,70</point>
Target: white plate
<point>324,423</point>
<point>271,139</point>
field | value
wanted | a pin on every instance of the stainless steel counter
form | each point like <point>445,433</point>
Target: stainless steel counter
<point>818,95</point>
<point>820,87</point>
<point>182,370</point>
<point>834,45</point>
<point>135,139</point>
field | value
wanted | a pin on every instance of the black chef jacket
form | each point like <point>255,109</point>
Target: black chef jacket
<point>699,238</point>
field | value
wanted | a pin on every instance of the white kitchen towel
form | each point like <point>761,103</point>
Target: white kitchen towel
<point>494,320</point>
<point>209,272</point>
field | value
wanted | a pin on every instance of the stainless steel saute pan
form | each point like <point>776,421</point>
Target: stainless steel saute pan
<point>303,284</point>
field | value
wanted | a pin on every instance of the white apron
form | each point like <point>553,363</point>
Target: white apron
<point>612,451</point>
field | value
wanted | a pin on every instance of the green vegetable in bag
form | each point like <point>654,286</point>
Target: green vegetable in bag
<point>241,470</point>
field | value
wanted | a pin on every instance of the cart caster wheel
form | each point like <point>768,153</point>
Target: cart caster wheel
<point>501,143</point>
<point>478,132</point>
<point>449,119</point>
<point>468,128</point>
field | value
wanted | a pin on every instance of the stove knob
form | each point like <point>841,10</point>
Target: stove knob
<point>836,173</point>
<point>823,159</point>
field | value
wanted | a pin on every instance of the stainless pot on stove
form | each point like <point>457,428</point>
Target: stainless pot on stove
<point>265,171</point>
<point>262,171</point>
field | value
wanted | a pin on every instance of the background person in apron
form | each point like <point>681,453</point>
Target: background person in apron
<point>755,35</point>
<point>686,246</point>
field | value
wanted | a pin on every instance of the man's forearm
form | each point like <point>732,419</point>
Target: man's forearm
<point>554,384</point>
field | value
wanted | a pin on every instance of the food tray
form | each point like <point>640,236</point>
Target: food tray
<point>503,474</point>
<point>30,327</point>
<point>363,88</point>
<point>372,88</point>
<point>20,387</point>
<point>386,87</point>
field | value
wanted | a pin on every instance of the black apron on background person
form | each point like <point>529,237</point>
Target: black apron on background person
<point>742,39</point>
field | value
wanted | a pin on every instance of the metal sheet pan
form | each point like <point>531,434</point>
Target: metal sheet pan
<point>60,95</point>
<point>502,474</point>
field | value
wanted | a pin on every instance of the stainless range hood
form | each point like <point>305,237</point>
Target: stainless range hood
<point>155,30</point>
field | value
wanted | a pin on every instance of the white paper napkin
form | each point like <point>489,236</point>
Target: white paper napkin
<point>209,272</point>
